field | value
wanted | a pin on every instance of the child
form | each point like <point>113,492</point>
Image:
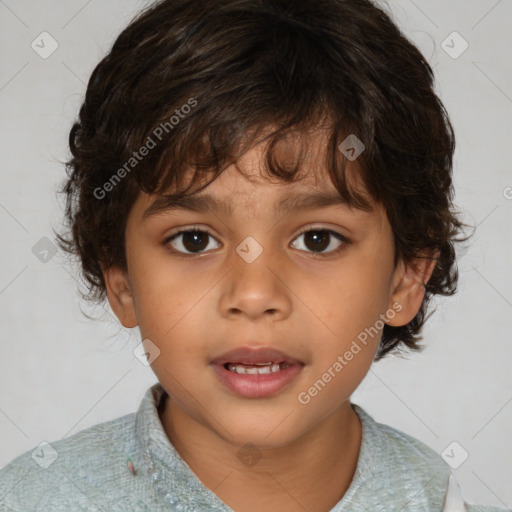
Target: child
<point>264,188</point>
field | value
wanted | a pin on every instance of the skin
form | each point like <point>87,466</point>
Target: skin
<point>309,305</point>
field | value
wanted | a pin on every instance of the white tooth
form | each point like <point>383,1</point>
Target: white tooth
<point>261,368</point>
<point>237,368</point>
<point>263,364</point>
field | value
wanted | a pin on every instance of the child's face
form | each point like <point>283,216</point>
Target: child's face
<point>309,305</point>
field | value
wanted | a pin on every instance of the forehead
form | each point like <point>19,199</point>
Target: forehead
<point>247,182</point>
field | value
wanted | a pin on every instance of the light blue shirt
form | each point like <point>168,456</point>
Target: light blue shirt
<point>129,465</point>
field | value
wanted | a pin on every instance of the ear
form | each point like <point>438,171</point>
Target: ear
<point>408,288</point>
<point>120,295</point>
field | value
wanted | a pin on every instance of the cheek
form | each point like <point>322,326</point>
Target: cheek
<point>335,378</point>
<point>171,311</point>
<point>350,305</point>
<point>163,291</point>
<point>352,299</point>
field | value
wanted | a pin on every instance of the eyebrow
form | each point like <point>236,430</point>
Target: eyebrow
<point>205,202</point>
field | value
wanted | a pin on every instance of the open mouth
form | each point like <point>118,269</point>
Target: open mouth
<point>257,380</point>
<point>256,368</point>
<point>256,372</point>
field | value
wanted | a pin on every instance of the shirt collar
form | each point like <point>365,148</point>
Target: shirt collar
<point>177,484</point>
<point>170,475</point>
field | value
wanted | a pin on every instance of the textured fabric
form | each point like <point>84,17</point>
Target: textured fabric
<point>453,501</point>
<point>129,464</point>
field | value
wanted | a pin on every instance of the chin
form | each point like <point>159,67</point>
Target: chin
<point>264,431</point>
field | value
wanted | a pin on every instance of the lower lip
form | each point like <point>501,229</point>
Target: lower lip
<point>259,385</point>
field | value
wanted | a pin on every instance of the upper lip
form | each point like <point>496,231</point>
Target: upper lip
<point>248,355</point>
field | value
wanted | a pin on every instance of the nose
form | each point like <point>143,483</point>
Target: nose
<point>256,285</point>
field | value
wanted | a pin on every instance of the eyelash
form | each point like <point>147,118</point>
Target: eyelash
<point>195,229</point>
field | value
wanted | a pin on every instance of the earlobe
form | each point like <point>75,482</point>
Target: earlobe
<point>120,295</point>
<point>409,288</point>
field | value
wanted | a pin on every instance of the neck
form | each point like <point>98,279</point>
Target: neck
<point>311,473</point>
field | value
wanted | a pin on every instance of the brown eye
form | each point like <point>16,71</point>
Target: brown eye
<point>318,240</point>
<point>190,241</point>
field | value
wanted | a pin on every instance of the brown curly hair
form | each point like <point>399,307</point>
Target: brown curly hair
<point>190,84</point>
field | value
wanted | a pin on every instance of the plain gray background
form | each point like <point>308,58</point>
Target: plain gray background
<point>61,373</point>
